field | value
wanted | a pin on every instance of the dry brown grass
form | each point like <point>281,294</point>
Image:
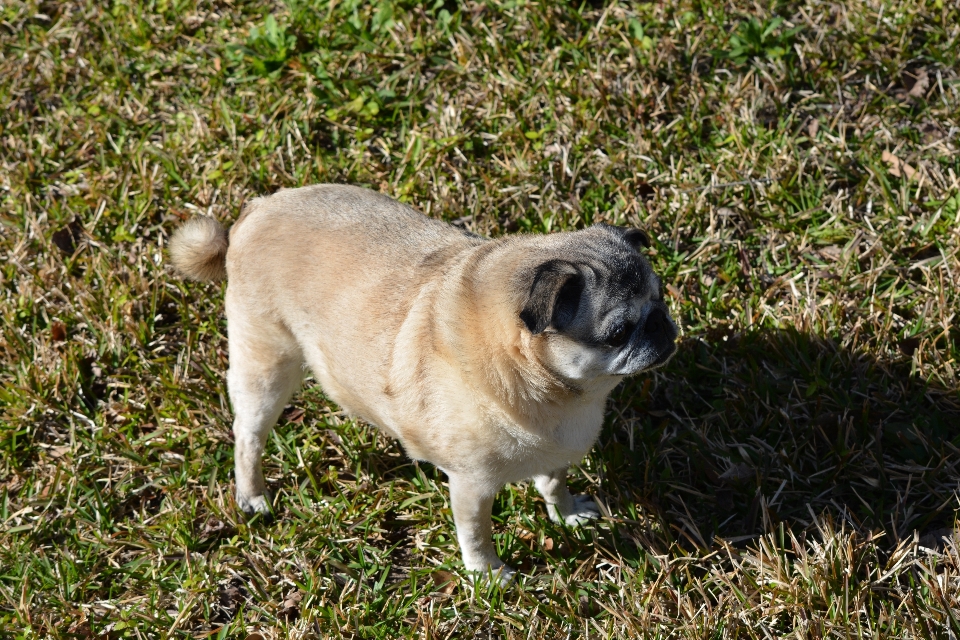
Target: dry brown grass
<point>792,473</point>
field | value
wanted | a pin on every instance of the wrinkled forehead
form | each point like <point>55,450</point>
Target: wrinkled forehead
<point>620,273</point>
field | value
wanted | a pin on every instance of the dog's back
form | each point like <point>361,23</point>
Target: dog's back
<point>344,209</point>
<point>338,268</point>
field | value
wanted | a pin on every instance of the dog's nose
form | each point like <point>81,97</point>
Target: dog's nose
<point>656,324</point>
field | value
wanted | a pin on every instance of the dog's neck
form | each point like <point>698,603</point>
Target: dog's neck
<point>510,364</point>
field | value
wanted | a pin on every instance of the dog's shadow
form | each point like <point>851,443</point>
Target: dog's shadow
<point>740,433</point>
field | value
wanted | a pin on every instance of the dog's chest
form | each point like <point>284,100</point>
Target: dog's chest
<point>579,428</point>
<point>551,447</point>
<point>580,420</point>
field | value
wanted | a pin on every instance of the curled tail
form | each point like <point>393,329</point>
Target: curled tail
<point>198,249</point>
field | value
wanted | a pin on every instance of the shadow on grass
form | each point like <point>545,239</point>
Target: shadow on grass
<point>744,433</point>
<point>738,436</point>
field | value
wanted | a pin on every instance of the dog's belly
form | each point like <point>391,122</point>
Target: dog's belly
<point>351,400</point>
<point>540,461</point>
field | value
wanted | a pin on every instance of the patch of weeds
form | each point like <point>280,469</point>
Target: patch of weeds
<point>754,39</point>
<point>640,35</point>
<point>267,49</point>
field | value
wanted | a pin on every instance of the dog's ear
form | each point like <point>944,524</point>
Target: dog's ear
<point>554,296</point>
<point>634,237</point>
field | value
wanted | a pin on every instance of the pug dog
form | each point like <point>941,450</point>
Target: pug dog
<point>491,359</point>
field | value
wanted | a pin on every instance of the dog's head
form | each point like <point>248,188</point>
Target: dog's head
<point>596,305</point>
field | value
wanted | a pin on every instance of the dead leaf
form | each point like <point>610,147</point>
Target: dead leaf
<point>812,128</point>
<point>897,166</point>
<point>231,596</point>
<point>548,544</point>
<point>13,484</point>
<point>290,610</point>
<point>920,82</point>
<point>214,528</point>
<point>58,331</point>
<point>216,64</point>
<point>737,473</point>
<point>552,150</point>
<point>831,253</point>
<point>444,581</point>
<point>295,416</point>
<point>587,608</point>
<point>526,536</point>
<point>58,452</point>
<point>80,629</point>
<point>66,239</point>
<point>255,636</point>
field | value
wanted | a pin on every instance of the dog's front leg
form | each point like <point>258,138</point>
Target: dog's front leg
<point>472,503</point>
<point>561,505</point>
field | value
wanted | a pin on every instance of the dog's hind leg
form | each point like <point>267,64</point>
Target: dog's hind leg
<point>561,505</point>
<point>266,368</point>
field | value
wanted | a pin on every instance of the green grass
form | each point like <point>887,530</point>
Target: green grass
<point>792,473</point>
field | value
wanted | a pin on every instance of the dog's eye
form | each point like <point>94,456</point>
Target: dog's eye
<point>619,337</point>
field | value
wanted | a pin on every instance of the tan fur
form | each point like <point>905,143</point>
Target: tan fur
<point>409,324</point>
<point>198,249</point>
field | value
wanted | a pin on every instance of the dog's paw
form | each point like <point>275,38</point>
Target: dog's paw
<point>502,576</point>
<point>584,510</point>
<point>255,505</point>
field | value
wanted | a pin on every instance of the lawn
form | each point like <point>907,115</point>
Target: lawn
<point>793,472</point>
